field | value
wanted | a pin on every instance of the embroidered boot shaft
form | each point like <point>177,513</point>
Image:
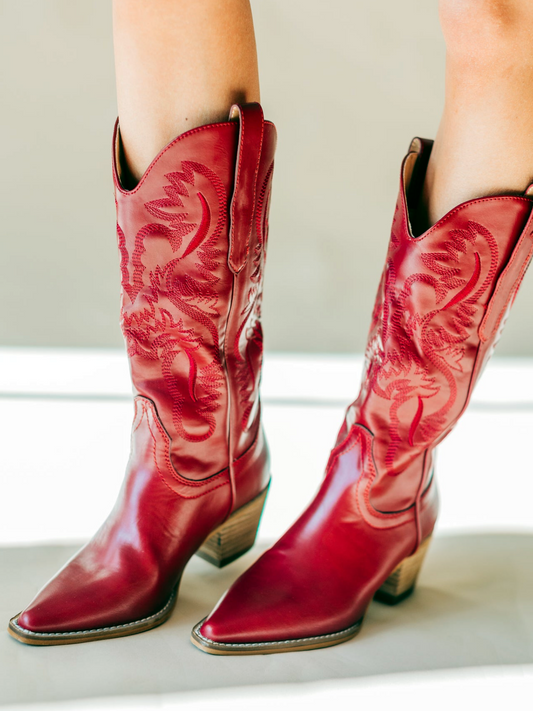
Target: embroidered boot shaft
<point>192,238</point>
<point>194,337</point>
<point>442,302</point>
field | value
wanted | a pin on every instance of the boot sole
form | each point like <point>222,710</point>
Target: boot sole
<point>225,544</point>
<point>286,645</point>
<point>399,585</point>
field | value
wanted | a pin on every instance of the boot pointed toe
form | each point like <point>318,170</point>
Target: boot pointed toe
<point>32,620</point>
<point>274,608</point>
<point>66,613</point>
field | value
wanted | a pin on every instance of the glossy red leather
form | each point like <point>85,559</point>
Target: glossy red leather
<point>441,302</point>
<point>193,333</point>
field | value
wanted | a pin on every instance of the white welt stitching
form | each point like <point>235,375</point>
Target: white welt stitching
<point>283,641</point>
<point>98,629</point>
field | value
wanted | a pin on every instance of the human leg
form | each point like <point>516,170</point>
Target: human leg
<point>484,144</point>
<point>179,64</point>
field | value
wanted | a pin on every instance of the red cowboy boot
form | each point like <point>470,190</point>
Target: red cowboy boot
<point>443,299</point>
<point>192,240</point>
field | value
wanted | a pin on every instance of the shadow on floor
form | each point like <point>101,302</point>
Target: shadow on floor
<point>473,607</point>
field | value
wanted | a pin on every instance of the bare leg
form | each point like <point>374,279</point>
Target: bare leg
<point>179,64</point>
<point>485,141</point>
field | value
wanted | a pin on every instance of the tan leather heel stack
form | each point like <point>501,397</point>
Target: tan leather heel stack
<point>401,582</point>
<point>236,535</point>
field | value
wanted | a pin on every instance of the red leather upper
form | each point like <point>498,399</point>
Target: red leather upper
<point>441,302</point>
<point>193,333</point>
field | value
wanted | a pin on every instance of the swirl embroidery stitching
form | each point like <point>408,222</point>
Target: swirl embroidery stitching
<point>417,341</point>
<point>164,304</point>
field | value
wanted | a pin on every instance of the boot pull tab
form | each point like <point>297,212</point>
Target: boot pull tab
<point>243,201</point>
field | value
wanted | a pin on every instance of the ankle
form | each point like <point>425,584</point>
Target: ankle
<point>142,138</point>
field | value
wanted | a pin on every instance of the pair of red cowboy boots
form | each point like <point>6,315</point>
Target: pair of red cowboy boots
<point>192,237</point>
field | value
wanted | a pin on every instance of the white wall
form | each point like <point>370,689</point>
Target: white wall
<point>347,83</point>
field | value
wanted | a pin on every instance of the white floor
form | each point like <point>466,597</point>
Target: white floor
<point>466,634</point>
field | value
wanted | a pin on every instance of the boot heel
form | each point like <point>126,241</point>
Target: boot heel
<point>236,535</point>
<point>401,582</point>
